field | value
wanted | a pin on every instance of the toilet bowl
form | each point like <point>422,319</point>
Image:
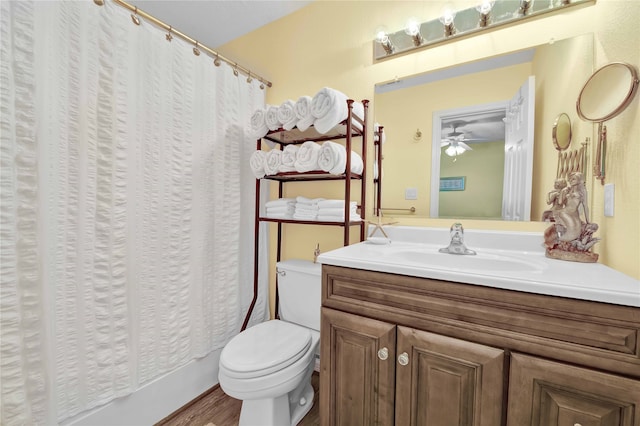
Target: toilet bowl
<point>269,365</point>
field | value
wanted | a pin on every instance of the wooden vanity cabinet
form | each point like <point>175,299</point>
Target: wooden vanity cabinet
<point>415,351</point>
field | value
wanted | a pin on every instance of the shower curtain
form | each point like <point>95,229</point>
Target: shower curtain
<point>127,207</point>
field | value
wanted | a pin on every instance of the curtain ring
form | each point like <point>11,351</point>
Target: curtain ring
<point>216,61</point>
<point>169,37</point>
<point>249,79</point>
<point>196,51</point>
<point>134,17</point>
<point>235,69</point>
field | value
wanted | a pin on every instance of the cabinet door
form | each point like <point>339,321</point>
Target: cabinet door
<point>547,393</point>
<point>444,381</point>
<point>357,370</point>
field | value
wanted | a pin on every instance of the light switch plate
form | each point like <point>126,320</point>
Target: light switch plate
<point>411,194</point>
<point>609,199</point>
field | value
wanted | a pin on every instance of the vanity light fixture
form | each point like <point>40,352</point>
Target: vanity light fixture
<point>484,9</point>
<point>382,37</point>
<point>453,24</point>
<point>447,18</point>
<point>412,29</point>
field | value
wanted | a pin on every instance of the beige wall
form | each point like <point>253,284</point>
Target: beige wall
<point>329,43</point>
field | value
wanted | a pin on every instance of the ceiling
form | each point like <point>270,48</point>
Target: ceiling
<point>216,22</point>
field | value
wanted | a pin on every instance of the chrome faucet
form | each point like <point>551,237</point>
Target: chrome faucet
<point>456,246</point>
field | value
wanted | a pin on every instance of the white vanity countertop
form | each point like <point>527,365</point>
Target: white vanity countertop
<point>508,260</point>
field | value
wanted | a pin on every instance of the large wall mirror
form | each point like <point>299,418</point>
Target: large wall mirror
<point>447,151</point>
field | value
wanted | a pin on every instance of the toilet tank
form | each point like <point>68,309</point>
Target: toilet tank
<point>299,291</point>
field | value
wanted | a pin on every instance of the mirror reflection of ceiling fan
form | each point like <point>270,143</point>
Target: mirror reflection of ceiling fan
<point>456,141</point>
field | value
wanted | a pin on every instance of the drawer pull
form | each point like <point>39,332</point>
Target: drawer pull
<point>403,358</point>
<point>383,354</point>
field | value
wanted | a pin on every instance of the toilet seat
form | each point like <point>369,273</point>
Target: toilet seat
<point>265,348</point>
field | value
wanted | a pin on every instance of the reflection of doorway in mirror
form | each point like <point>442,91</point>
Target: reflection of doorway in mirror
<point>507,128</point>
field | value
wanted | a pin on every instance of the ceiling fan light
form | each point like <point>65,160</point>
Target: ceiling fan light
<point>450,151</point>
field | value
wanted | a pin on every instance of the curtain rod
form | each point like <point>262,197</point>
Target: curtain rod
<point>197,45</point>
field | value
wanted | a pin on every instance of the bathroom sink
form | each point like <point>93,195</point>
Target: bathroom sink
<point>481,262</point>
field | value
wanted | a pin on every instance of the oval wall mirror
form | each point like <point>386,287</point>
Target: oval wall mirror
<point>561,132</point>
<point>605,95</point>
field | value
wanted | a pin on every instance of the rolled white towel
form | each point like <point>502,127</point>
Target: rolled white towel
<point>287,115</point>
<point>302,109</point>
<point>307,157</point>
<point>333,159</point>
<point>272,162</point>
<point>258,125</point>
<point>376,129</point>
<point>271,117</point>
<point>289,154</point>
<point>329,107</point>
<point>256,162</point>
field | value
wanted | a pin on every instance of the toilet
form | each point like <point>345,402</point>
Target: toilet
<point>269,366</point>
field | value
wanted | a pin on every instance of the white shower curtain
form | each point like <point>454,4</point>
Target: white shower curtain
<point>127,207</point>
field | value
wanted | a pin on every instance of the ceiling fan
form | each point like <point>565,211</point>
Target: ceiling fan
<point>455,141</point>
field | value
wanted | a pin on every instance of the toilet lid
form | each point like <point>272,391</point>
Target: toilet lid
<point>264,348</point>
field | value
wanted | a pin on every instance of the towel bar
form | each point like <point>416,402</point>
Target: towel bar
<point>410,209</point>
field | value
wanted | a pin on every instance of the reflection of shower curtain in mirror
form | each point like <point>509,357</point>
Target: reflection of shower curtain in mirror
<point>127,207</point>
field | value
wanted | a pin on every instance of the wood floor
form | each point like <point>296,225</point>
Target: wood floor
<point>214,406</point>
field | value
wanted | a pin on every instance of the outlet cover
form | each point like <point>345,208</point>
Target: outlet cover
<point>609,199</point>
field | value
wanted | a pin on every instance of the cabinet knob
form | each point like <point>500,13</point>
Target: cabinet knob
<point>383,353</point>
<point>577,424</point>
<point>403,358</point>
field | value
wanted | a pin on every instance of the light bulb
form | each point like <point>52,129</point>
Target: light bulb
<point>412,27</point>
<point>450,151</point>
<point>382,35</point>
<point>485,6</point>
<point>448,14</point>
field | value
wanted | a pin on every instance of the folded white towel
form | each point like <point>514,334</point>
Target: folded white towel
<point>330,218</point>
<point>271,118</point>
<point>329,107</point>
<point>302,110</point>
<point>307,157</point>
<point>258,126</point>
<point>279,215</point>
<point>289,154</point>
<point>272,162</point>
<point>281,210</point>
<point>335,212</point>
<point>256,162</point>
<point>303,208</point>
<point>332,204</point>
<point>310,201</point>
<point>333,159</point>
<point>287,115</point>
<point>279,202</point>
<point>304,216</point>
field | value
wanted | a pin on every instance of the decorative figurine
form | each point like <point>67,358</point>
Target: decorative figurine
<point>571,236</point>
